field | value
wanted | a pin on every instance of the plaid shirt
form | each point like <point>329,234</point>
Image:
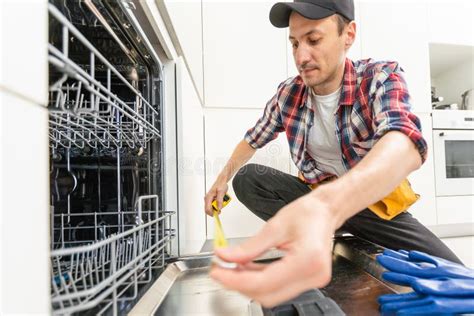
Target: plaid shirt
<point>374,100</point>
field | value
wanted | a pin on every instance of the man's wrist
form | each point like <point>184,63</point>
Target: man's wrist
<point>326,201</point>
<point>222,178</point>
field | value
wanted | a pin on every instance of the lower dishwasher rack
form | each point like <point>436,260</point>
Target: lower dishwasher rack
<point>109,272</point>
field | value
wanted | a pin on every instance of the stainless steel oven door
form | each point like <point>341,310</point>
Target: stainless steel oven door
<point>454,162</point>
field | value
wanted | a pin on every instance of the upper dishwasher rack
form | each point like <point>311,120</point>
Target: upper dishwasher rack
<point>84,111</point>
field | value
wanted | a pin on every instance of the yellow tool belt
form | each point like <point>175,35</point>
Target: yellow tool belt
<point>393,204</point>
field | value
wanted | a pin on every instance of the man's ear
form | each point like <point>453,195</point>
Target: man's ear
<point>350,34</point>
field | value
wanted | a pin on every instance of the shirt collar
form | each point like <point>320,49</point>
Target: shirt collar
<point>349,81</point>
<point>348,92</point>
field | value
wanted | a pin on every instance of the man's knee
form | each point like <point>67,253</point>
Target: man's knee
<point>245,178</point>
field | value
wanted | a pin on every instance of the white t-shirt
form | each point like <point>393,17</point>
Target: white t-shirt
<point>322,143</point>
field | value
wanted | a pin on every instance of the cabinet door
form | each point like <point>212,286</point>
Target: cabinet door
<point>423,181</point>
<point>455,209</point>
<point>244,55</point>
<point>23,48</point>
<point>224,129</point>
<point>191,186</point>
<point>24,207</point>
<point>395,30</point>
<point>186,17</point>
<point>452,22</point>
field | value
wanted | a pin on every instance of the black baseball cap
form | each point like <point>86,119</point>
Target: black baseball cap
<point>310,9</point>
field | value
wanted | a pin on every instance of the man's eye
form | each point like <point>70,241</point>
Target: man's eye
<point>313,42</point>
<point>294,45</point>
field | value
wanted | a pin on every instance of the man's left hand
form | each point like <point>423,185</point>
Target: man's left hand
<point>303,230</point>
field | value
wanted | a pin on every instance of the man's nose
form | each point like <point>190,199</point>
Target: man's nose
<point>302,56</point>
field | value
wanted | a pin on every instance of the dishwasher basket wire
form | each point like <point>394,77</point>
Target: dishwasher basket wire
<point>84,111</point>
<point>109,271</point>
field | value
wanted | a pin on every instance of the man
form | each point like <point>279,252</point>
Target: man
<point>351,134</point>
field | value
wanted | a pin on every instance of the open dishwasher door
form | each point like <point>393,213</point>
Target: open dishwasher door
<point>185,288</point>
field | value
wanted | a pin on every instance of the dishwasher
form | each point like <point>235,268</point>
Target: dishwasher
<point>111,239</point>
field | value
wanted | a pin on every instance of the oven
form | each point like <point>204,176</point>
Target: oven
<point>453,147</point>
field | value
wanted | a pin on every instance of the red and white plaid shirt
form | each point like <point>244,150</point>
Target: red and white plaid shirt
<point>374,100</point>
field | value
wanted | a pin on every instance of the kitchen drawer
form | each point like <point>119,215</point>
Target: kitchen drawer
<point>455,209</point>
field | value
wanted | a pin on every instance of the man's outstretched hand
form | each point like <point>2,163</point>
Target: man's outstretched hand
<point>303,230</point>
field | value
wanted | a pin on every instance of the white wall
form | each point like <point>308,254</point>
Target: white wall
<point>244,61</point>
<point>224,129</point>
<point>244,55</point>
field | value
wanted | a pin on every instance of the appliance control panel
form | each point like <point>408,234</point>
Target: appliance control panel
<point>453,119</point>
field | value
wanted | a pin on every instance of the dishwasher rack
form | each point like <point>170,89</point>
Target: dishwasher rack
<point>109,271</point>
<point>84,111</point>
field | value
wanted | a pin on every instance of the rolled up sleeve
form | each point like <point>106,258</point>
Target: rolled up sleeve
<point>267,127</point>
<point>392,108</point>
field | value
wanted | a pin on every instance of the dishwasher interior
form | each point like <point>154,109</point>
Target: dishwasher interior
<point>109,233</point>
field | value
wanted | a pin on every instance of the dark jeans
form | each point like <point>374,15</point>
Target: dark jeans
<point>265,190</point>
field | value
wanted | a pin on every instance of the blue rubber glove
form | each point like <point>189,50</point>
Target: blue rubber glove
<point>438,286</point>
<point>414,303</point>
<point>441,286</point>
<point>419,264</point>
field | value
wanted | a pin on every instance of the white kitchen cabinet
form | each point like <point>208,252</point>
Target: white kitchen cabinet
<point>451,22</point>
<point>23,39</point>
<point>455,209</point>
<point>422,180</point>
<point>398,31</point>
<point>24,198</point>
<point>190,164</point>
<point>224,129</point>
<point>244,55</point>
<point>463,247</point>
<point>186,19</point>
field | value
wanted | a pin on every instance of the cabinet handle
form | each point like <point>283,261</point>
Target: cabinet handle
<point>441,134</point>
